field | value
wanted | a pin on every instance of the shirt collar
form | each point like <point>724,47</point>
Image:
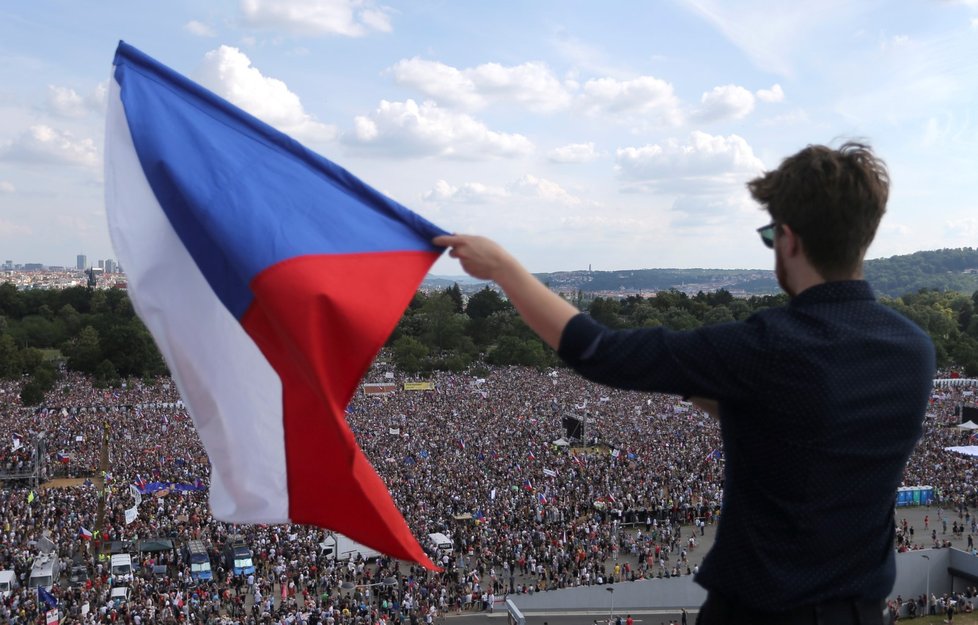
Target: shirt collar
<point>835,291</point>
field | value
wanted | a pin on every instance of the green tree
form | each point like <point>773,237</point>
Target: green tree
<point>512,351</point>
<point>31,394</point>
<point>84,352</point>
<point>444,328</point>
<point>30,359</point>
<point>410,354</point>
<point>11,304</point>
<point>106,375</point>
<point>455,294</point>
<point>485,303</point>
<point>36,331</point>
<point>606,311</point>
<point>10,362</point>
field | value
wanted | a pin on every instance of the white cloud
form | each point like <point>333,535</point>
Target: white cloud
<point>228,72</point>
<point>543,189</point>
<point>468,193</point>
<point>895,41</point>
<point>705,157</point>
<point>350,18</point>
<point>46,145</point>
<point>410,129</point>
<point>10,229</point>
<point>966,228</point>
<point>774,94</point>
<point>792,118</point>
<point>66,102</point>
<point>573,153</point>
<point>199,29</point>
<point>725,102</point>
<point>528,186</point>
<point>530,84</point>
<point>6,186</point>
<point>533,85</point>
<point>645,95</point>
<point>446,84</point>
<point>974,23</point>
<point>774,35</point>
<point>699,211</point>
<point>901,230</point>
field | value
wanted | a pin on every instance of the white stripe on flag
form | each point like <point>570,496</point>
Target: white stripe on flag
<point>233,395</point>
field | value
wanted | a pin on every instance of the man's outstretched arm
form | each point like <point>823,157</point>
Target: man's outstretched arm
<point>543,310</point>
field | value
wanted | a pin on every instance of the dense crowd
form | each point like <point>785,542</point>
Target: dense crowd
<point>478,458</point>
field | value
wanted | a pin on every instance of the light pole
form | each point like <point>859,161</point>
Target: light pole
<point>611,612</point>
<point>928,581</point>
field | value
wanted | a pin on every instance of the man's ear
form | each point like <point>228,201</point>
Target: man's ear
<point>789,241</point>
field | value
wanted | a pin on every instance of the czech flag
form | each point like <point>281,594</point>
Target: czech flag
<point>269,277</point>
<point>85,534</point>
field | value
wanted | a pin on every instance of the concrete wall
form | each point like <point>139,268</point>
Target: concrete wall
<point>912,568</point>
<point>675,592</point>
<point>681,592</point>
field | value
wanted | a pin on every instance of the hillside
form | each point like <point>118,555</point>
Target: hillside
<point>942,270</point>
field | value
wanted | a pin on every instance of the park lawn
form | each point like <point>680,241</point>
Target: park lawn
<point>959,619</point>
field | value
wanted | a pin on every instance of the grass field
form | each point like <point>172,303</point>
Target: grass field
<point>959,619</point>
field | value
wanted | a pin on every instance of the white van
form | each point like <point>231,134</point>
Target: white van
<point>8,583</point>
<point>121,568</point>
<point>441,543</point>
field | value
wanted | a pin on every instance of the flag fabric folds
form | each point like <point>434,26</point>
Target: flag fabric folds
<point>43,596</point>
<point>269,277</point>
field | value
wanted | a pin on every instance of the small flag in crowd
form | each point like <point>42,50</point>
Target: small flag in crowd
<point>270,277</point>
<point>84,533</point>
<point>44,596</point>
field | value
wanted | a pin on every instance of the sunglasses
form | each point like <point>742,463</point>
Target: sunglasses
<point>767,234</point>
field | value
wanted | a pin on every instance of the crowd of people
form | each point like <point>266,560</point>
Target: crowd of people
<point>478,457</point>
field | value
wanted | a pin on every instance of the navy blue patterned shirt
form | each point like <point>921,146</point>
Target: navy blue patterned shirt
<point>821,402</point>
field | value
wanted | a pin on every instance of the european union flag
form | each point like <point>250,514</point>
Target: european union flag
<point>44,596</point>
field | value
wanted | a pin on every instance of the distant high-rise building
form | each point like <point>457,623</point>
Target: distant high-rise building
<point>8,265</point>
<point>33,266</point>
<point>109,266</point>
<point>81,262</point>
<point>101,264</point>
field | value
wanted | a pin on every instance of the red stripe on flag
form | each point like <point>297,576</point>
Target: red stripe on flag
<point>320,320</point>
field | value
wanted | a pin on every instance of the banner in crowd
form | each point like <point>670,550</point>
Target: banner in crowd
<point>148,488</point>
<point>270,278</point>
<point>419,386</point>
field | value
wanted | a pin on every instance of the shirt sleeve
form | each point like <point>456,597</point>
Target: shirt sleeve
<point>723,361</point>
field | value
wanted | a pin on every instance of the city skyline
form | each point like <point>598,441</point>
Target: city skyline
<point>615,136</point>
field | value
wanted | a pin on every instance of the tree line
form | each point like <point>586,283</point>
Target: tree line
<point>96,332</point>
<point>440,330</point>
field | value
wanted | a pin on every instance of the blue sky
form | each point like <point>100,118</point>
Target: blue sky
<point>615,134</point>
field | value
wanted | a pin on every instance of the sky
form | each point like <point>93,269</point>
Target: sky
<point>610,135</point>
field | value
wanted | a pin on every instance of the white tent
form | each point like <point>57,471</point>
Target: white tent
<point>968,425</point>
<point>969,450</point>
